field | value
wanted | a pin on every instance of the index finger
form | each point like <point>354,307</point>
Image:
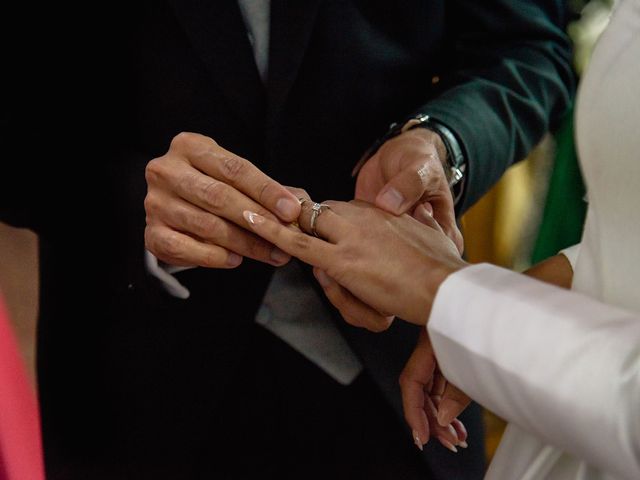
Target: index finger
<point>311,250</point>
<point>210,158</point>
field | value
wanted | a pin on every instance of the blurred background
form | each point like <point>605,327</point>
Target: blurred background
<point>536,209</point>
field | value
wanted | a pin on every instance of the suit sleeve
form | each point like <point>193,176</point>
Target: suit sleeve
<point>510,78</point>
<point>558,364</point>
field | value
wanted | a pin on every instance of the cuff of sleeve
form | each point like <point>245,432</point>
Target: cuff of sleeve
<point>164,273</point>
<point>572,255</point>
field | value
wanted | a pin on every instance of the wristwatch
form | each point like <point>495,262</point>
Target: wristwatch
<point>454,164</point>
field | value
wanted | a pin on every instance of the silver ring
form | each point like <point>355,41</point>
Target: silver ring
<point>316,210</point>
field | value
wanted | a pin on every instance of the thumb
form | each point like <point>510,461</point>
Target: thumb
<point>409,185</point>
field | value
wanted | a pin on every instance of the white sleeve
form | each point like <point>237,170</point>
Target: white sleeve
<point>557,363</point>
<point>572,255</point>
<point>164,273</point>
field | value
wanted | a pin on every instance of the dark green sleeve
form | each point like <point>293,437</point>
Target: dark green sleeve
<point>510,80</point>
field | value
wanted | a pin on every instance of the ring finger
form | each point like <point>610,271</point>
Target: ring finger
<point>321,220</point>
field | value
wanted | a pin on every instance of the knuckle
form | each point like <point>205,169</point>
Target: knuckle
<point>154,171</point>
<point>264,191</point>
<point>188,141</point>
<point>212,258</point>
<point>233,168</point>
<point>206,226</point>
<point>298,192</point>
<point>150,205</point>
<point>301,241</point>
<point>171,244</point>
<point>403,379</point>
<point>349,256</point>
<point>183,140</point>
<point>214,193</point>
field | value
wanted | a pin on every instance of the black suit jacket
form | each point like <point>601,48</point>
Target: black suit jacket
<point>123,367</point>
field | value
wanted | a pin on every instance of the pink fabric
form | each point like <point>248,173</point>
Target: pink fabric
<point>20,444</point>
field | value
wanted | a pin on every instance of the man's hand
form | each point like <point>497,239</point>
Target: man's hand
<point>408,171</point>
<point>196,194</point>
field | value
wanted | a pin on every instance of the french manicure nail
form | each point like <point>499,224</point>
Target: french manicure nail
<point>416,439</point>
<point>252,217</point>
<point>391,199</point>
<point>446,443</point>
<point>463,444</point>
<point>287,208</point>
<point>278,256</point>
<point>452,432</point>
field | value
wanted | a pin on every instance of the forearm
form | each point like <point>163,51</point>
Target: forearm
<point>558,364</point>
<point>510,79</point>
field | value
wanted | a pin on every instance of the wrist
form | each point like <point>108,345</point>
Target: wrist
<point>433,278</point>
<point>432,139</point>
<point>451,156</point>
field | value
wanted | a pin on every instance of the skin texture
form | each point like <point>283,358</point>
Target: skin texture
<point>198,190</point>
<point>392,263</point>
<point>371,266</point>
<point>408,171</point>
<point>195,198</point>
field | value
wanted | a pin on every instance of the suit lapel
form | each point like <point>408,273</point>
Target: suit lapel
<point>218,34</point>
<point>291,27</point>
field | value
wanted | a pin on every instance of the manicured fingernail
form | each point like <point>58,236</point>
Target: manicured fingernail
<point>233,260</point>
<point>416,439</point>
<point>278,256</point>
<point>287,209</point>
<point>463,444</point>
<point>446,443</point>
<point>391,199</point>
<point>252,217</point>
<point>428,207</point>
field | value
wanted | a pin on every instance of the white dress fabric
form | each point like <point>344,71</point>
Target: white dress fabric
<point>564,367</point>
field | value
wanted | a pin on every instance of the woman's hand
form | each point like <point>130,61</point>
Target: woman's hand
<point>430,403</point>
<point>394,265</point>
